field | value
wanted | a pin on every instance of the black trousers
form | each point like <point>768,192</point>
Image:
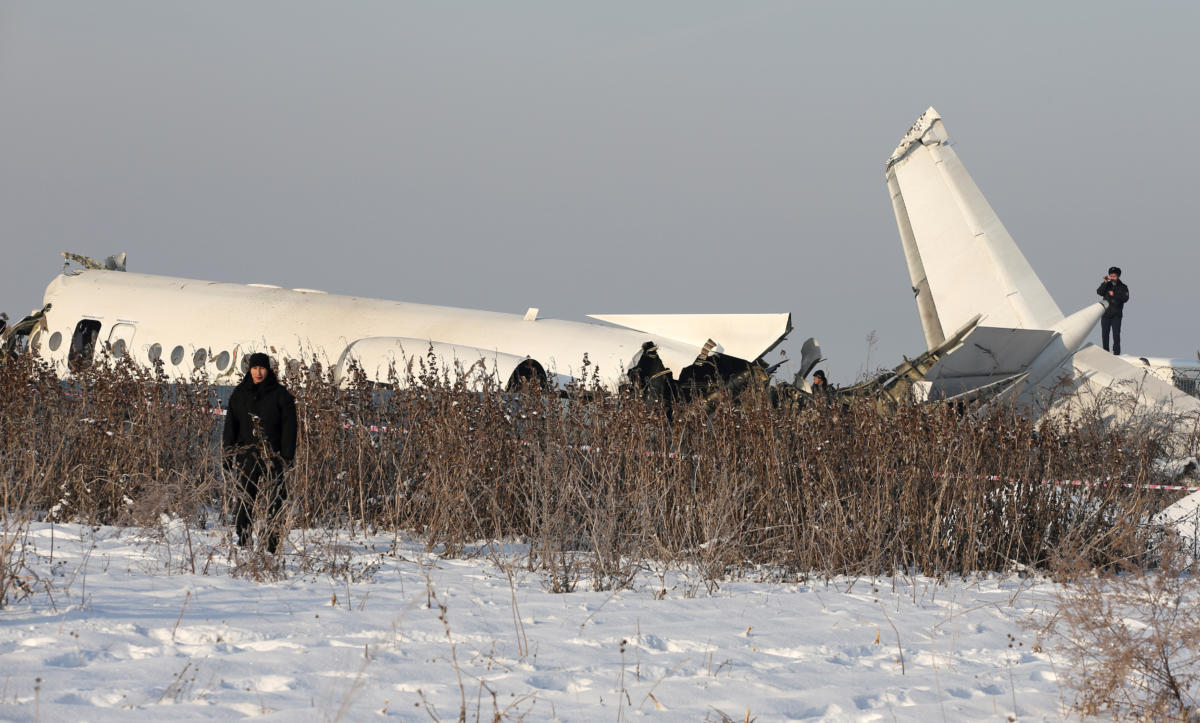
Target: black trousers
<point>1113,324</point>
<point>260,487</point>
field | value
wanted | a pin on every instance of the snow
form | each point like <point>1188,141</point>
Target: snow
<point>372,626</point>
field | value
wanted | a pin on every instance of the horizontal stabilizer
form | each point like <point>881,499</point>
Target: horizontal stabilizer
<point>989,351</point>
<point>1001,391</point>
<point>745,336</point>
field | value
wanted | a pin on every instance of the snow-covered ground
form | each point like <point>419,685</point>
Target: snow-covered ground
<point>128,631</point>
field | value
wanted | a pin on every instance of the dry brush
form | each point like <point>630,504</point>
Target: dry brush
<point>598,484</point>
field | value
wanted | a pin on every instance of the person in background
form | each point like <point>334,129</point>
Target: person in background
<point>1116,293</point>
<point>259,441</point>
<point>820,385</point>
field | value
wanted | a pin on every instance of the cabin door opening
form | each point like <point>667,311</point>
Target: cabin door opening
<point>120,340</point>
<point>83,344</point>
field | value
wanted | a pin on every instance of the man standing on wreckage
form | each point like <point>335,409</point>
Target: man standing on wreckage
<point>259,442</point>
<point>1116,293</point>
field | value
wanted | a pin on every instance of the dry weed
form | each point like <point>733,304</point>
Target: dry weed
<point>1130,639</point>
<point>600,486</point>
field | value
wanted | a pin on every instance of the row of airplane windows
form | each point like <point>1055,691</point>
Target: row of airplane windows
<point>87,331</point>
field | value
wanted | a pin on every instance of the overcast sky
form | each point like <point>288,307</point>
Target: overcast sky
<point>604,157</point>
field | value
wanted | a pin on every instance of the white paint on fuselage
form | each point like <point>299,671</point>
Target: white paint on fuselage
<point>290,324</point>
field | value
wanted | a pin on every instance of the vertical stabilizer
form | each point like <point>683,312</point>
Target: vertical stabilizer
<point>934,334</point>
<point>961,259</point>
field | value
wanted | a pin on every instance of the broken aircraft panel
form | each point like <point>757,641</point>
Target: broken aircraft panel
<point>909,381</point>
<point>15,339</point>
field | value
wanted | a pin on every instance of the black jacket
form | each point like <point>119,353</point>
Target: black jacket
<point>1116,302</point>
<point>274,408</point>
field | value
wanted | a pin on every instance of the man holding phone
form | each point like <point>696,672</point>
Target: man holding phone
<point>1116,293</point>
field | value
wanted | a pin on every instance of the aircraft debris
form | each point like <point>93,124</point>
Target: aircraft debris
<point>14,339</point>
<point>116,262</point>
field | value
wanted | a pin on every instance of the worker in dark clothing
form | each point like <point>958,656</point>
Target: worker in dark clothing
<point>822,393</point>
<point>1116,293</point>
<point>260,444</point>
<point>820,385</point>
<point>654,378</point>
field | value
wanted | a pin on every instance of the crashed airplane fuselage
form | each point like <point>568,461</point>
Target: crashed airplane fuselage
<point>193,326</point>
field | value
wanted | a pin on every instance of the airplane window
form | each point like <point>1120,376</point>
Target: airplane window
<point>154,353</point>
<point>199,358</point>
<point>222,360</point>
<point>177,355</point>
<point>118,349</point>
<point>83,343</point>
<point>55,341</point>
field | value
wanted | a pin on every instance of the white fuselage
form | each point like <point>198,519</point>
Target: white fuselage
<point>209,326</point>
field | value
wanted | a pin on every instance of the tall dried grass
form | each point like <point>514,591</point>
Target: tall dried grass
<point>1128,641</point>
<point>599,484</point>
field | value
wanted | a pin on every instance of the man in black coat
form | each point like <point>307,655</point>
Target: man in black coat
<point>260,443</point>
<point>1113,290</point>
<point>820,385</point>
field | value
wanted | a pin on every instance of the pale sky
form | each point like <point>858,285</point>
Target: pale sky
<point>611,157</point>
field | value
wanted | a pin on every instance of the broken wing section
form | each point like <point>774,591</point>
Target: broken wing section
<point>961,260</point>
<point>745,336</point>
<point>1122,389</point>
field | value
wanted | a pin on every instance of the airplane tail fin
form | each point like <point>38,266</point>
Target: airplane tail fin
<point>961,259</point>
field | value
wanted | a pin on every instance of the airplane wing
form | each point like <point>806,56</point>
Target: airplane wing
<point>1097,373</point>
<point>745,336</point>
<point>1101,379</point>
<point>961,259</point>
